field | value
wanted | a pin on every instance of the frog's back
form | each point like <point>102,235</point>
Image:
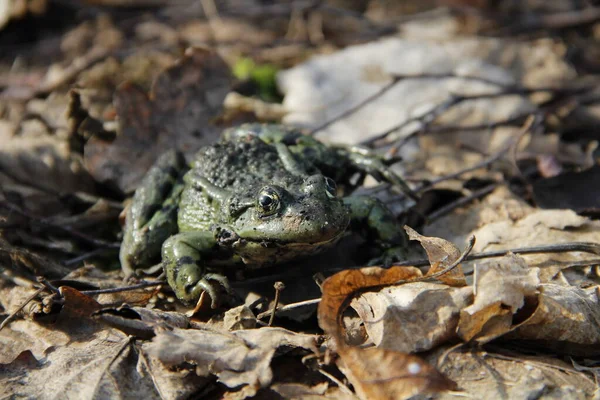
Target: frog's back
<point>239,165</point>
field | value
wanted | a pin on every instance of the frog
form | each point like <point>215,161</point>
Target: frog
<point>262,195</point>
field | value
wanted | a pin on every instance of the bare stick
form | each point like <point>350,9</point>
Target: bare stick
<point>288,307</point>
<point>72,232</point>
<point>279,286</point>
<point>121,289</point>
<point>586,247</point>
<point>357,107</point>
<point>440,212</point>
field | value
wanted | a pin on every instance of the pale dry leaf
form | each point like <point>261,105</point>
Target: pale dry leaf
<point>94,364</point>
<point>237,359</point>
<point>501,221</point>
<point>239,318</point>
<point>487,376</point>
<point>174,384</point>
<point>500,288</point>
<point>566,319</point>
<point>26,335</point>
<point>412,317</point>
<point>311,103</point>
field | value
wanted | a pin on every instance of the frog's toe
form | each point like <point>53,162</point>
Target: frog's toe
<point>212,283</point>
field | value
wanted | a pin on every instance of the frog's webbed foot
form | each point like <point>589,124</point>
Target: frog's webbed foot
<point>211,284</point>
<point>152,215</point>
<point>184,263</point>
<point>366,161</point>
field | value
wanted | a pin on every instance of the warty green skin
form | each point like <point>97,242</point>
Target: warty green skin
<point>217,213</point>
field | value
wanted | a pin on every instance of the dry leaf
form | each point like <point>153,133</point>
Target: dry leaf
<point>501,288</point>
<point>412,317</point>
<point>441,254</point>
<point>566,319</point>
<point>339,288</point>
<point>375,373</point>
<point>94,364</point>
<point>378,374</point>
<point>487,375</point>
<point>238,358</point>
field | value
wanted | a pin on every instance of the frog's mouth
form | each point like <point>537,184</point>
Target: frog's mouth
<point>273,243</point>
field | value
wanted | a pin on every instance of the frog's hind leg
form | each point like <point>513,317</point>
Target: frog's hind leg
<point>184,258</point>
<point>152,215</point>
<point>365,161</point>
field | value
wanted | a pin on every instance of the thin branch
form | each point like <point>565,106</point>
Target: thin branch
<point>358,106</point>
<point>586,247</point>
<point>461,202</point>
<point>511,143</point>
<point>122,289</point>
<point>288,307</point>
<point>430,116</point>
<point>72,232</point>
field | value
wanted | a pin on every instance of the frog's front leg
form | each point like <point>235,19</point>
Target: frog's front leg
<point>184,258</point>
<point>370,215</point>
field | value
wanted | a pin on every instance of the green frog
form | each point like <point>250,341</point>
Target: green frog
<point>262,195</point>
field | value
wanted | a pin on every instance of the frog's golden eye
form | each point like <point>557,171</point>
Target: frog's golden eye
<point>268,201</point>
<point>331,187</point>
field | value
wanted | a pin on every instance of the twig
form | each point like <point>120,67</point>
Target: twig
<point>288,307</point>
<point>461,202</point>
<point>21,307</point>
<point>122,289</point>
<point>340,384</point>
<point>358,106</point>
<point>72,232</point>
<point>94,55</point>
<point>279,286</point>
<point>561,20</point>
<point>511,143</point>
<point>85,256</point>
<point>586,247</point>
<point>429,116</point>
<point>44,282</point>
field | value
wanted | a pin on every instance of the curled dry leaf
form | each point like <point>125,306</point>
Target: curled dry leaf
<point>501,288</point>
<point>441,254</point>
<point>240,358</point>
<point>339,289</point>
<point>375,373</point>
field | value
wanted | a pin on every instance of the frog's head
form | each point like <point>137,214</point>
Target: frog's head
<point>281,223</point>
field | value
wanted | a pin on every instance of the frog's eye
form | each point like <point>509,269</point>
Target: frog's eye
<point>268,201</point>
<point>331,187</point>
